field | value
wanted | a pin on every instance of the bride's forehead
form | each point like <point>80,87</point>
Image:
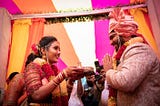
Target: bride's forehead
<point>55,43</point>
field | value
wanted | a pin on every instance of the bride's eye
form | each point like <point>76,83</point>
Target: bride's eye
<point>56,47</point>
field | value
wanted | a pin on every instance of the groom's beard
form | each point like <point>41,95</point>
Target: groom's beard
<point>120,42</point>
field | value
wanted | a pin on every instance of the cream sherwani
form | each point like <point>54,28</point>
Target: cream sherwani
<point>137,77</point>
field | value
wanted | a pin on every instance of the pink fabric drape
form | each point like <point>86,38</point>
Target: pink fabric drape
<point>5,36</point>
<point>154,16</point>
<point>101,28</point>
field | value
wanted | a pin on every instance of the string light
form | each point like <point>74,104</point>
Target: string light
<point>86,18</point>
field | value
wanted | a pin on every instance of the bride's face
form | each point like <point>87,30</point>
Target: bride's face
<point>53,52</point>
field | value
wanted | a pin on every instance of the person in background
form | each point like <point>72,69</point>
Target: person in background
<point>80,92</point>
<point>45,83</point>
<point>1,96</point>
<point>136,70</point>
<point>11,76</point>
<point>93,88</point>
<point>15,93</point>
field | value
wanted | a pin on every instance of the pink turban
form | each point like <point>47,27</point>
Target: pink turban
<point>121,23</point>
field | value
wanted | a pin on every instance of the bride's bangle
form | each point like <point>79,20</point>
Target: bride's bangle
<point>59,78</point>
<point>64,73</point>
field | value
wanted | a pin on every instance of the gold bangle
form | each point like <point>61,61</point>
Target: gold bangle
<point>65,74</point>
<point>55,83</point>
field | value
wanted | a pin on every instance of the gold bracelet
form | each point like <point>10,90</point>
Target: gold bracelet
<point>55,83</point>
<point>65,74</point>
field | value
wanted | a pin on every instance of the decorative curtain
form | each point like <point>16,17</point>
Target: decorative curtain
<point>35,33</point>
<point>154,14</point>
<point>19,44</point>
<point>144,28</point>
<point>101,28</point>
<point>80,41</point>
<point>5,36</point>
<point>102,39</point>
<point>68,54</point>
<point>82,37</point>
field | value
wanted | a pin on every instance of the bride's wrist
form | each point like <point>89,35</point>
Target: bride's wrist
<point>64,73</point>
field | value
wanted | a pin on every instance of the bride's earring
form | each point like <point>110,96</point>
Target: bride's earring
<point>44,56</point>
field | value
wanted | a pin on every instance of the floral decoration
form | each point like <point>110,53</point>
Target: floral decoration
<point>35,49</point>
<point>47,69</point>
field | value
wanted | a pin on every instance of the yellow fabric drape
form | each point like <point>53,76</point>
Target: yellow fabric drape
<point>143,28</point>
<point>35,34</point>
<point>137,1</point>
<point>19,44</point>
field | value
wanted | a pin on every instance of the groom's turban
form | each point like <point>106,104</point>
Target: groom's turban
<point>121,23</point>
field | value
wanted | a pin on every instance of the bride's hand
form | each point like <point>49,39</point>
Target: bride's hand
<point>74,72</point>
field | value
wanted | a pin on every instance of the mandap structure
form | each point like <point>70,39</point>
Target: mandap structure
<point>80,26</point>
